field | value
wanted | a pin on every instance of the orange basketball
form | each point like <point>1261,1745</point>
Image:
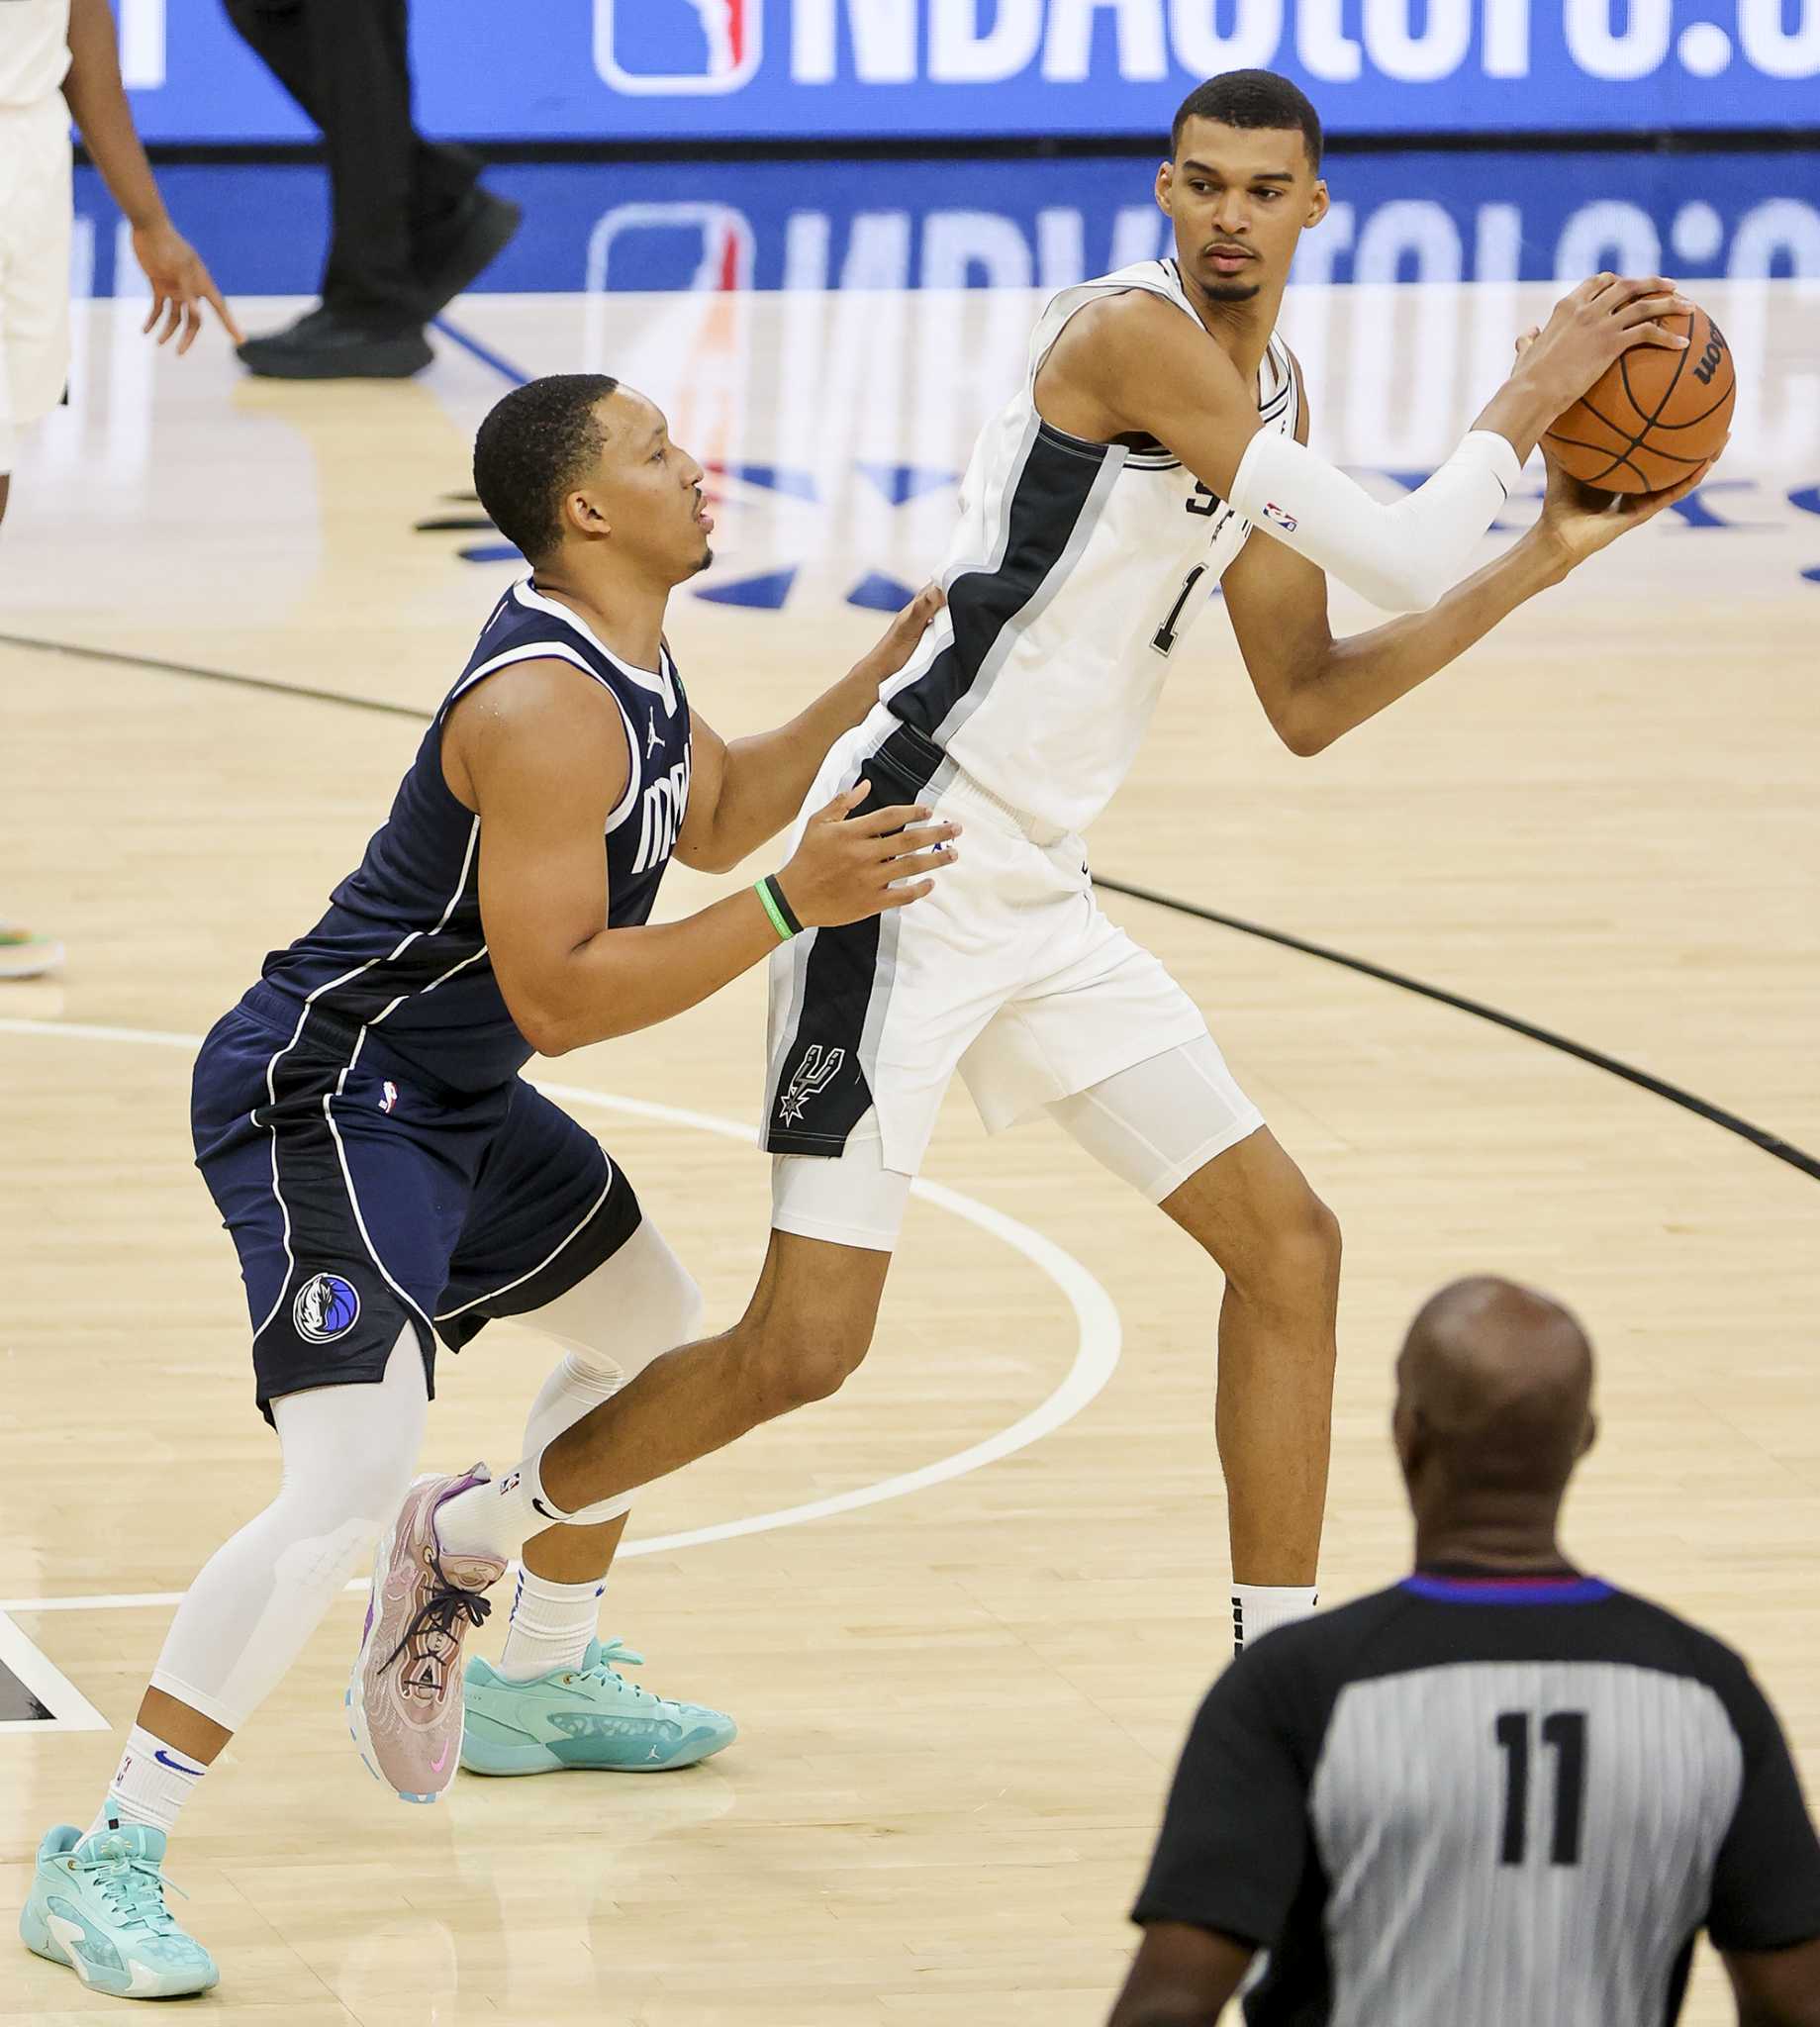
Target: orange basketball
<point>1655,416</point>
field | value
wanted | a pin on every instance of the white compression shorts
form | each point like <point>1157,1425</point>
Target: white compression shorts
<point>1153,1125</point>
<point>1402,556</point>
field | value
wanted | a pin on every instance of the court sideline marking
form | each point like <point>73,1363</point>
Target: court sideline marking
<point>1772,1145</point>
<point>1099,1339</point>
<point>46,1685</point>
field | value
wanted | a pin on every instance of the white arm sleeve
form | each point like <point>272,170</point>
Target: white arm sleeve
<point>1403,556</point>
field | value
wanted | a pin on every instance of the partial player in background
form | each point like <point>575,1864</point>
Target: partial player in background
<point>1499,1794</point>
<point>1156,446</point>
<point>392,1183</point>
<point>59,62</point>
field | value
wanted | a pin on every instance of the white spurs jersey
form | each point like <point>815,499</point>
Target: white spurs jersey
<point>1073,575</point>
<point>34,50</point>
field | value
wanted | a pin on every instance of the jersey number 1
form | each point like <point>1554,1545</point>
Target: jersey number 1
<point>1563,1733</point>
<point>1164,640</point>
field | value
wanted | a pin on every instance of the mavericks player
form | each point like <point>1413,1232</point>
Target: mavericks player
<point>390,1179</point>
<point>1155,445</point>
<point>1500,1794</point>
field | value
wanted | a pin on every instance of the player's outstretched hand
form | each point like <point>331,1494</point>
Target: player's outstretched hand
<point>1592,326</point>
<point>850,867</point>
<point>1582,519</point>
<point>902,636</point>
<point>181,285</point>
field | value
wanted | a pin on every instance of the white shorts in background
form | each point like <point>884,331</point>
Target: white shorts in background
<point>35,207</point>
<point>1008,972</point>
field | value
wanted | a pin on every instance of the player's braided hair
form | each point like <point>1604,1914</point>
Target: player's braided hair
<point>531,449</point>
<point>1251,99</point>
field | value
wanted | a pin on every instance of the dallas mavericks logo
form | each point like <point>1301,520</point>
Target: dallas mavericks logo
<point>325,1308</point>
<point>677,46</point>
<point>816,1071</point>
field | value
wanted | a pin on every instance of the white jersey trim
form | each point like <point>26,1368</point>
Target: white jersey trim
<point>556,650</point>
<point>656,680</point>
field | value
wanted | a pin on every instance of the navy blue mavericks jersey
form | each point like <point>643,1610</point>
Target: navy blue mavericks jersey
<point>401,945</point>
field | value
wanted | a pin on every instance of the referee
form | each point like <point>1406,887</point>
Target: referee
<point>1502,1793</point>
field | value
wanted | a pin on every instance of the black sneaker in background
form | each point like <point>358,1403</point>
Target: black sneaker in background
<point>322,344</point>
<point>453,254</point>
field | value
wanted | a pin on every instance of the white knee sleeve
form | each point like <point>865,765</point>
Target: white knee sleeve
<point>631,1309</point>
<point>349,1455</point>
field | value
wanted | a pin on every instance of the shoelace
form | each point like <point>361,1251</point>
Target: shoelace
<point>440,1613</point>
<point>133,1891</point>
<point>614,1655</point>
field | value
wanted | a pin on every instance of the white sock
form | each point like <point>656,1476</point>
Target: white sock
<point>551,1625</point>
<point>1258,1609</point>
<point>149,1786</point>
<point>499,1518</point>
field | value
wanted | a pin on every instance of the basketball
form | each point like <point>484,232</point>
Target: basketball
<point>1655,416</point>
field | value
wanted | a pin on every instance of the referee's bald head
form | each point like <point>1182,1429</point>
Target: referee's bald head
<point>1493,1398</point>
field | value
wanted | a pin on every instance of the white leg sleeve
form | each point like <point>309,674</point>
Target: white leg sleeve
<point>1402,556</point>
<point>1158,1122</point>
<point>631,1309</point>
<point>349,1455</point>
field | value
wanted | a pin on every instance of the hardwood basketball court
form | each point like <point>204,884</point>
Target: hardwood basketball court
<point>963,1612</point>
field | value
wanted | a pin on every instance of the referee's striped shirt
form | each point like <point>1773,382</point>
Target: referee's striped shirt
<point>1480,1802</point>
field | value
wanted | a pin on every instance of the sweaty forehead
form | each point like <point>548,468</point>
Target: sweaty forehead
<point>1238,152</point>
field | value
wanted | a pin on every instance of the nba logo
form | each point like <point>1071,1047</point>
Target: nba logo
<point>671,247</point>
<point>668,47</point>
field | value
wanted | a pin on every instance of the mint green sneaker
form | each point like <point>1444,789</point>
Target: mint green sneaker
<point>97,1906</point>
<point>589,1716</point>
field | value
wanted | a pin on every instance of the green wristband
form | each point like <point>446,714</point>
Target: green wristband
<point>769,900</point>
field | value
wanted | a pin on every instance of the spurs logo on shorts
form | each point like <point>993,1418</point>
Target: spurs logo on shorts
<point>816,1071</point>
<point>326,1307</point>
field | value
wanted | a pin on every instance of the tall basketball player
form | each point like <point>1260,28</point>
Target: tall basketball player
<point>390,1179</point>
<point>1156,444</point>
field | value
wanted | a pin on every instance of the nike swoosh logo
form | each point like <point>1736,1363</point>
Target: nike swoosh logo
<point>542,1508</point>
<point>177,1765</point>
<point>435,1765</point>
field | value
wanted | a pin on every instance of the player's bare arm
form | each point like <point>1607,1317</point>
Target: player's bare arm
<point>541,754</point>
<point>742,792</point>
<point>1777,1987</point>
<point>1134,365</point>
<point>1315,688</point>
<point>1181,1976</point>
<point>180,283</point>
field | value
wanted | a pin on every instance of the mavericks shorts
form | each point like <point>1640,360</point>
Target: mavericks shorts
<point>365,1199</point>
<point>1008,972</point>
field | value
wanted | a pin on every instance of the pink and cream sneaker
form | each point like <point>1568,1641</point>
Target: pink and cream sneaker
<point>403,1698</point>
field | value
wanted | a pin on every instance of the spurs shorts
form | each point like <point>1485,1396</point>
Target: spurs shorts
<point>1008,972</point>
<point>35,228</point>
<point>364,1199</point>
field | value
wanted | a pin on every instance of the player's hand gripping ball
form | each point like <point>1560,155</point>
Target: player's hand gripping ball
<point>1655,416</point>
